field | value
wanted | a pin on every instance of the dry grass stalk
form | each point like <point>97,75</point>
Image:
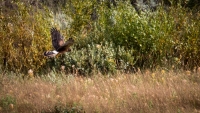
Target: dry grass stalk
<point>149,92</point>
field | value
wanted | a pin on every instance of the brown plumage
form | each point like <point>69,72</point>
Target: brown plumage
<point>59,44</point>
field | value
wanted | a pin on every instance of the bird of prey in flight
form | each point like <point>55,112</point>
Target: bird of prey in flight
<point>59,44</point>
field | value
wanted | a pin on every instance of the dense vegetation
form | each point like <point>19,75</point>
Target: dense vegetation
<point>107,38</point>
<point>132,57</point>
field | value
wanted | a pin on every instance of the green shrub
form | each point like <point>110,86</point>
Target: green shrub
<point>125,40</point>
<point>7,102</point>
<point>69,108</point>
<point>24,37</point>
<point>156,38</point>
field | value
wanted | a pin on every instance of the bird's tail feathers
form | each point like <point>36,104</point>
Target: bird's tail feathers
<point>50,53</point>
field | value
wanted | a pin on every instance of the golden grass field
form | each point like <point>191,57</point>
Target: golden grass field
<point>142,92</point>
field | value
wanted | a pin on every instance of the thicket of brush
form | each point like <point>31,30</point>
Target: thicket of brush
<point>110,39</point>
<point>107,38</point>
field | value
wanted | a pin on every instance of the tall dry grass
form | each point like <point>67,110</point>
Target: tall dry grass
<point>158,91</point>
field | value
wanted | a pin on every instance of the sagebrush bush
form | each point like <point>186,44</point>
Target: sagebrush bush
<point>89,60</point>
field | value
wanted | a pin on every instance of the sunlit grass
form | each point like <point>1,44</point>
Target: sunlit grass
<point>159,91</point>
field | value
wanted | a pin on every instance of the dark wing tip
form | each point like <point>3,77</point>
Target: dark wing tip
<point>69,42</point>
<point>53,29</point>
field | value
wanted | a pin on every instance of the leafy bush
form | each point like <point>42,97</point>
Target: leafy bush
<point>24,37</point>
<point>70,108</point>
<point>157,38</point>
<point>107,38</point>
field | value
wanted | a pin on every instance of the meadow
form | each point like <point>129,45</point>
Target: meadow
<point>152,92</point>
<point>124,59</point>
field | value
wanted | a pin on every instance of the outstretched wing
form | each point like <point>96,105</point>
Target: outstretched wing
<point>57,38</point>
<point>65,47</point>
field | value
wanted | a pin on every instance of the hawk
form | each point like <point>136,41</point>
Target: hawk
<point>59,44</point>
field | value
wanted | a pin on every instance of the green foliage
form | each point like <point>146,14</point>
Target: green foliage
<point>24,34</point>
<point>107,38</point>
<point>152,36</point>
<point>70,108</point>
<point>95,58</point>
<point>5,102</point>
